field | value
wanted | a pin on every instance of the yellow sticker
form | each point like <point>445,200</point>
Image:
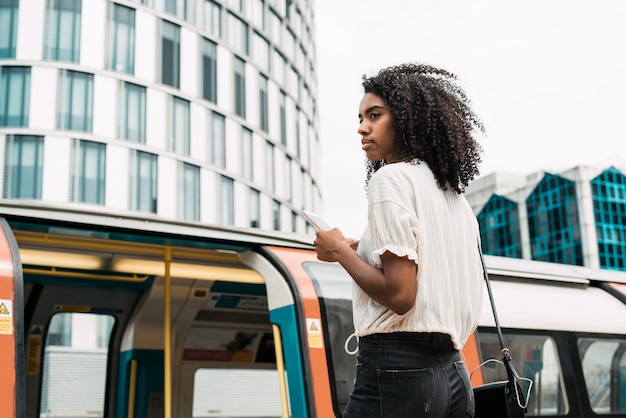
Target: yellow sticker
<point>33,352</point>
<point>6,316</point>
<point>314,333</point>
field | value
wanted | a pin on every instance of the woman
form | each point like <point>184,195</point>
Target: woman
<point>417,273</point>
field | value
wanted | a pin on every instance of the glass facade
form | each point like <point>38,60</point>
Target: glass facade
<point>91,175</point>
<point>146,182</point>
<point>203,90</point>
<point>500,227</point>
<point>609,208</point>
<point>8,27</point>
<point>170,50</point>
<point>209,71</point>
<point>179,126</point>
<point>77,98</point>
<point>122,39</point>
<point>23,167</point>
<point>227,201</point>
<point>133,113</point>
<point>553,221</point>
<point>191,192</point>
<point>14,96</point>
<point>63,40</point>
<point>240,87</point>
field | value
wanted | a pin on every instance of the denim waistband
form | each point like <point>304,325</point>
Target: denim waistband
<point>436,338</point>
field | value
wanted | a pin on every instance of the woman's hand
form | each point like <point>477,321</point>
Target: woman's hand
<point>328,244</point>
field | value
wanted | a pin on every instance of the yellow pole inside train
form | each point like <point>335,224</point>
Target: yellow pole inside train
<point>167,334</point>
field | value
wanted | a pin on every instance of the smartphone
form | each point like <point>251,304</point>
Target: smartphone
<point>316,220</point>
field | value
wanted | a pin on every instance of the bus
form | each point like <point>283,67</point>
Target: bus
<point>135,316</point>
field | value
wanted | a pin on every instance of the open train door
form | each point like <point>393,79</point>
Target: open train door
<point>12,396</point>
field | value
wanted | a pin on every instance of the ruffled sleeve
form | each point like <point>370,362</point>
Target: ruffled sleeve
<point>392,220</point>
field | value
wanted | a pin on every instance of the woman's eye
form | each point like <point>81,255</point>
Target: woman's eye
<point>374,115</point>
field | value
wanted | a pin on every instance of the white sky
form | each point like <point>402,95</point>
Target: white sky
<point>547,78</point>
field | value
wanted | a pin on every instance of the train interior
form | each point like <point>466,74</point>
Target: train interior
<point>96,305</point>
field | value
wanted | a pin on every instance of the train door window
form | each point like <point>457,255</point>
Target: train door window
<point>604,367</point>
<point>535,357</point>
<point>224,393</point>
<point>75,365</point>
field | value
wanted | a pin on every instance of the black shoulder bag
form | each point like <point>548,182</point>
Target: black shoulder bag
<point>502,399</point>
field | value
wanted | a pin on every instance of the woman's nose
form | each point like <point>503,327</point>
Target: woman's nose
<point>363,128</point>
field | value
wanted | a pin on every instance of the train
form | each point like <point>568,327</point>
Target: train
<point>133,316</point>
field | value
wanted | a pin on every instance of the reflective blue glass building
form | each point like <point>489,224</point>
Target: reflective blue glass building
<point>575,217</point>
<point>195,110</point>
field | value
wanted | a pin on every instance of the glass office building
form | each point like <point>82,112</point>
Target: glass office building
<point>576,217</point>
<point>196,110</point>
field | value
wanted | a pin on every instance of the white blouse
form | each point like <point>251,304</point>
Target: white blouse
<point>409,215</point>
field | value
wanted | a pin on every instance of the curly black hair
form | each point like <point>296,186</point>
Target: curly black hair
<point>433,122</point>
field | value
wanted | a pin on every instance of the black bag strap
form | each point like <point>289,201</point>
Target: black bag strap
<point>493,304</point>
<point>504,353</point>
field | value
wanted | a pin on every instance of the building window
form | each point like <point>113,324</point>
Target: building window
<point>8,27</point>
<point>270,180</point>
<point>218,140</point>
<point>122,39</point>
<point>209,71</point>
<point>283,118</point>
<point>63,36</point>
<point>238,34</point>
<point>179,129</point>
<point>191,192</point>
<point>14,96</point>
<point>500,228</point>
<point>263,104</point>
<point>173,7</point>
<point>294,221</point>
<point>257,13</point>
<point>170,54</point>
<point>146,182</point>
<point>77,109</point>
<point>227,201</point>
<point>23,167</point>
<point>276,214</point>
<point>212,14</point>
<point>90,172</point>
<point>240,87</point>
<point>553,222</point>
<point>298,137</point>
<point>255,208</point>
<point>247,154</point>
<point>133,113</point>
<point>288,177</point>
<point>261,51</point>
<point>609,206</point>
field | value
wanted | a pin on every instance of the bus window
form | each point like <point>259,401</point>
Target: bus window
<point>334,287</point>
<point>604,368</point>
<point>535,357</point>
<point>224,393</point>
<point>75,365</point>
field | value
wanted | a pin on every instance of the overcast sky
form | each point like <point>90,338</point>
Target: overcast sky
<point>547,78</point>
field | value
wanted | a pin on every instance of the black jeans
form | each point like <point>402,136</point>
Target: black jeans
<point>405,374</point>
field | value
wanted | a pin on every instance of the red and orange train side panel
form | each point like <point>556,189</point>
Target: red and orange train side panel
<point>11,336</point>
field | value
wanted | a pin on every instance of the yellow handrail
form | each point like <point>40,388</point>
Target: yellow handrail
<point>167,333</point>
<point>132,388</point>
<point>280,367</point>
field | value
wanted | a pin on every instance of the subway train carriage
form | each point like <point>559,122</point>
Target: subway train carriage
<point>117,316</point>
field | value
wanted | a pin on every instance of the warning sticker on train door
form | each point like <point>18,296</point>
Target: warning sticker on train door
<point>6,316</point>
<point>33,352</point>
<point>314,332</point>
